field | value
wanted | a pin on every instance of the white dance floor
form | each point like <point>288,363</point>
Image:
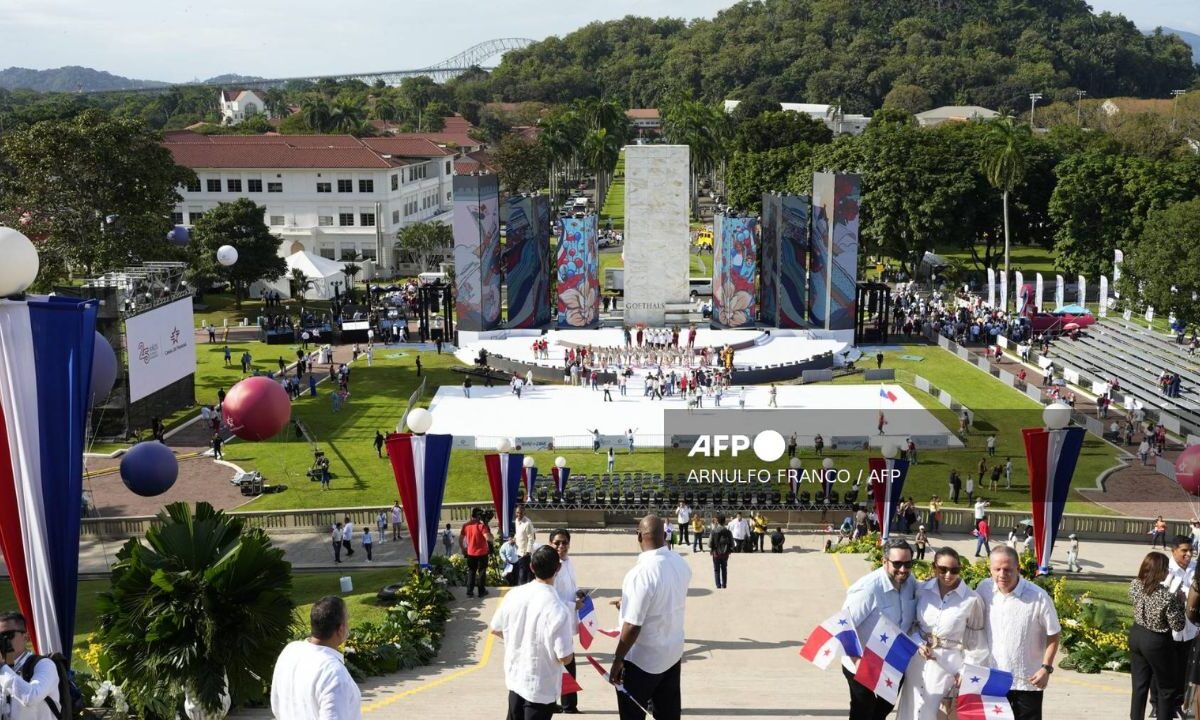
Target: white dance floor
<point>568,414</point>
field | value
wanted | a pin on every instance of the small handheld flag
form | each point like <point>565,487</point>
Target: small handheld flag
<point>620,688</point>
<point>884,660</point>
<point>887,394</point>
<point>984,694</point>
<point>830,641</point>
<point>570,685</point>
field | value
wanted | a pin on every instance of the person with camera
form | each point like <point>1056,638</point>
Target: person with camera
<point>475,541</point>
<point>26,692</point>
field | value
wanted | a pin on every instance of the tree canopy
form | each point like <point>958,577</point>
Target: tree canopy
<point>240,224</point>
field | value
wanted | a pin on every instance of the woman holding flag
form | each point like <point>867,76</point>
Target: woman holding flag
<point>568,592</point>
<point>951,621</point>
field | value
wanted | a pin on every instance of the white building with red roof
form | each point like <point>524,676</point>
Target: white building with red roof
<point>336,196</point>
<point>237,105</point>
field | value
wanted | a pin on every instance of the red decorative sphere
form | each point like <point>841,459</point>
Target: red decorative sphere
<point>257,408</point>
<point>1187,470</point>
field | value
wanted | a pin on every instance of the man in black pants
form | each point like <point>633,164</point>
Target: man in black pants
<point>475,541</point>
<point>653,599</point>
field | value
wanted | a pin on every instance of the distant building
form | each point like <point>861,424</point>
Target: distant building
<point>1137,106</point>
<point>335,196</point>
<point>954,113</point>
<point>237,105</point>
<point>645,120</point>
<point>837,121</point>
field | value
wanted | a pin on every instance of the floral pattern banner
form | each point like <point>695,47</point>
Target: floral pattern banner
<point>846,196</point>
<point>476,252</point>
<point>772,208</point>
<point>525,258</point>
<point>735,272</point>
<point>793,261</point>
<point>578,273</point>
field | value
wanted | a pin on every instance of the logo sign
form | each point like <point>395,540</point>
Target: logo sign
<point>768,445</point>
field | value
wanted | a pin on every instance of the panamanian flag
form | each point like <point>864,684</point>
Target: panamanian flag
<point>983,694</point>
<point>504,477</point>
<point>560,475</point>
<point>830,641</point>
<point>420,464</point>
<point>1051,455</point>
<point>46,347</point>
<point>589,624</point>
<point>887,394</point>
<point>885,659</point>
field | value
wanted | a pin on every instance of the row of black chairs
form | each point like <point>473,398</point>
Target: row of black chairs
<point>700,501</point>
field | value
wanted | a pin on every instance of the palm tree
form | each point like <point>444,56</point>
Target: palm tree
<point>1004,163</point>
<point>702,128</point>
<point>600,152</point>
<point>316,114</point>
<point>299,283</point>
<point>345,116</point>
<point>561,134</point>
<point>350,270</point>
<point>200,608</point>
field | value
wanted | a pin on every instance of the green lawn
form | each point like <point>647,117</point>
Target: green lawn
<point>1114,593</point>
<point>307,588</point>
<point>1027,259</point>
<point>614,202</point>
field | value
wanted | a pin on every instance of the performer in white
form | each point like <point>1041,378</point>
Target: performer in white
<point>951,621</point>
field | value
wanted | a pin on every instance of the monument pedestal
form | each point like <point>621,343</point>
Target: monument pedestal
<point>657,236</point>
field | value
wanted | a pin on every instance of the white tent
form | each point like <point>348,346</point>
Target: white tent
<point>321,273</point>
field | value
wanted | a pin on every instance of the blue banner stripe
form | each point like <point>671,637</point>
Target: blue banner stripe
<point>437,465</point>
<point>998,684</point>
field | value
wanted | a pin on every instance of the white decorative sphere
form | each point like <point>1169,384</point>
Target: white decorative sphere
<point>560,462</point>
<point>527,462</point>
<point>227,255</point>
<point>420,420</point>
<point>827,463</point>
<point>20,266</point>
<point>1056,416</point>
<point>890,450</point>
<point>794,463</point>
<point>505,445</point>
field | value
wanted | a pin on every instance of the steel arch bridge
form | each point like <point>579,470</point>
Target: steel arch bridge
<point>473,56</point>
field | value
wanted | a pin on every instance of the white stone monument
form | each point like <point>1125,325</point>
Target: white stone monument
<point>657,235</point>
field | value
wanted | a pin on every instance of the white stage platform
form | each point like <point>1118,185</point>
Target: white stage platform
<point>568,414</point>
<point>774,348</point>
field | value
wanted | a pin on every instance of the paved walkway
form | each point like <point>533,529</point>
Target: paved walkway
<point>741,655</point>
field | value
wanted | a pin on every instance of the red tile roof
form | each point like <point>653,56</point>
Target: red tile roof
<point>288,151</point>
<point>642,114</point>
<point>456,124</point>
<point>406,145</point>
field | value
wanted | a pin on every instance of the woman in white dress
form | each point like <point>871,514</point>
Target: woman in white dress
<point>950,621</point>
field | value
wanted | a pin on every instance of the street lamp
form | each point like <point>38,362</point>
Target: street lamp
<point>1033,98</point>
<point>1175,107</point>
<point>1080,94</point>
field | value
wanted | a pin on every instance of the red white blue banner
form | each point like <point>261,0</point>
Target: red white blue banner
<point>420,464</point>
<point>887,484</point>
<point>46,350</point>
<point>983,694</point>
<point>830,641</point>
<point>504,476</point>
<point>529,475</point>
<point>560,475</point>
<point>1051,455</point>
<point>885,659</point>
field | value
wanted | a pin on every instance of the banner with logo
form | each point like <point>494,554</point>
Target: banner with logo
<point>160,348</point>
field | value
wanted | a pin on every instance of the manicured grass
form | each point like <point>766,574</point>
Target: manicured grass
<point>1027,259</point>
<point>307,588</point>
<point>614,202</point>
<point>1113,593</point>
<point>220,307</point>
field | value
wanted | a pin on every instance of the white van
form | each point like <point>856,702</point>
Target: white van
<point>428,278</point>
<point>700,287</point>
<point>581,204</point>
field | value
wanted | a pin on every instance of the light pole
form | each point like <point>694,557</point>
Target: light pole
<point>1175,107</point>
<point>1080,94</point>
<point>1033,98</point>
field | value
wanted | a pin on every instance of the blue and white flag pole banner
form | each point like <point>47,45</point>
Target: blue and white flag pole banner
<point>991,279</point>
<point>1052,455</point>
<point>46,351</point>
<point>560,475</point>
<point>887,485</point>
<point>504,471</point>
<point>421,464</point>
<point>529,475</point>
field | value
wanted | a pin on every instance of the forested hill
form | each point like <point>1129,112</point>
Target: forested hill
<point>69,79</point>
<point>980,52</point>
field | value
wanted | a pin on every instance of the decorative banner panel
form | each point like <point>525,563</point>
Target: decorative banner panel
<point>844,291</point>
<point>772,210</point>
<point>578,274</point>
<point>793,261</point>
<point>818,269</point>
<point>476,252</point>
<point>735,271</point>
<point>525,257</point>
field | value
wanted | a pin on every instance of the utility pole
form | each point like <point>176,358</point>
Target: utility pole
<point>1175,107</point>
<point>1033,98</point>
<point>1080,94</point>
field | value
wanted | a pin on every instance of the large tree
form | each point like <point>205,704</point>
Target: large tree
<point>522,164</point>
<point>424,241</point>
<point>780,129</point>
<point>99,190</point>
<point>1003,163</point>
<point>240,224</point>
<point>1163,269</point>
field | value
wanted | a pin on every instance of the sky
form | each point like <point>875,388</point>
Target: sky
<point>184,40</point>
